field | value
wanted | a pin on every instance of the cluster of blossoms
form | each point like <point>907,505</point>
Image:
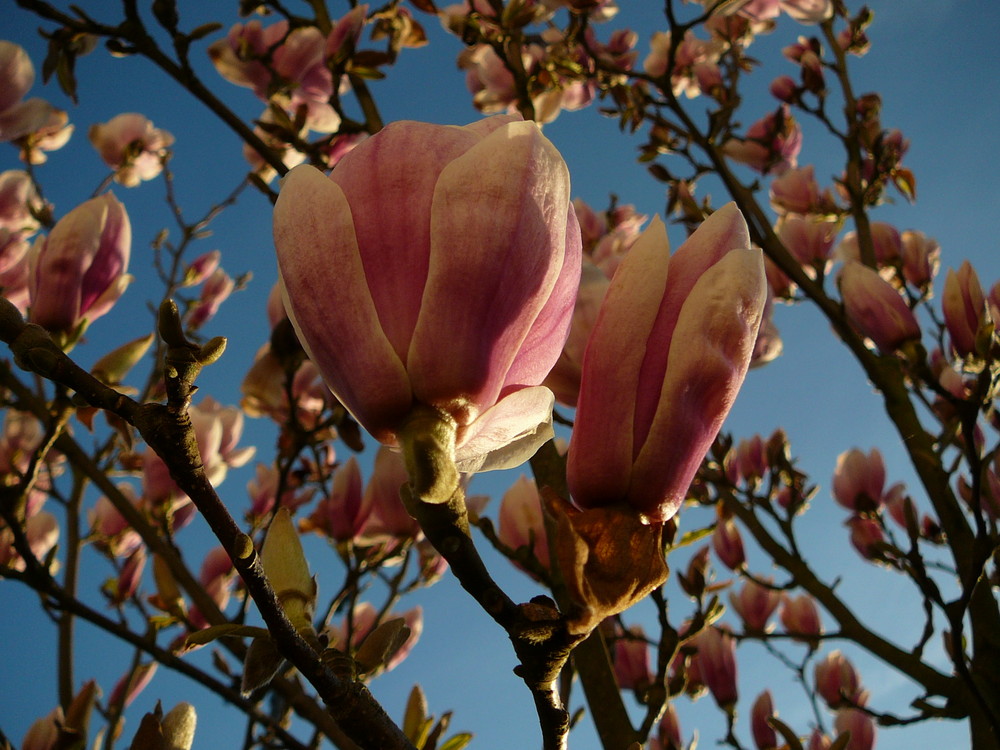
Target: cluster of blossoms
<point>21,436</point>
<point>555,70</point>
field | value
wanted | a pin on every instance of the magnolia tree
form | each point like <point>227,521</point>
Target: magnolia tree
<point>445,308</point>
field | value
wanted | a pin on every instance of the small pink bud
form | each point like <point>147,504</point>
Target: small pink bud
<point>800,618</point>
<point>388,518</point>
<point>522,523</point>
<point>838,682</point>
<point>964,306</point>
<point>764,735</point>
<point>755,604</point>
<point>202,267</point>
<point>728,544</point>
<point>342,514</point>
<point>716,657</point>
<point>866,537</point>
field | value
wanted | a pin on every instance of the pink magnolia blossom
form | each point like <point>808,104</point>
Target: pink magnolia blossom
<point>695,68</point>
<point>388,519</point>
<point>43,734</point>
<point>34,124</point>
<point>838,682</point>
<point>342,514</point>
<point>728,544</point>
<point>876,309</point>
<point>859,724</point>
<point>522,523</point>
<point>964,306</point>
<point>108,527</point>
<point>796,191</point>
<point>808,239</point>
<point>218,430</point>
<point>667,356</point>
<point>133,682</point>
<point>287,67</point>
<point>78,272</point>
<point>350,633</point>
<point>411,239</point>
<point>803,11</point>
<point>921,259</point>
<point>764,736</point>
<point>42,531</point>
<point>216,290</point>
<point>859,480</point>
<point>800,618</point>
<point>748,462</point>
<point>755,604</point>
<point>716,665</point>
<point>131,146</point>
<point>263,491</point>
<point>886,242</point>
<point>217,576</point>
<point>866,537</point>
<point>771,144</point>
<point>19,203</point>
<point>631,660</point>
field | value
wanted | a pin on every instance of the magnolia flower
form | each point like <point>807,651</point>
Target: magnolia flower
<point>78,271</point>
<point>131,146</point>
<point>436,268</point>
<point>667,356</point>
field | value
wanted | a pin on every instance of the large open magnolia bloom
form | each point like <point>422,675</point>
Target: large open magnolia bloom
<point>436,266</point>
<point>665,361</point>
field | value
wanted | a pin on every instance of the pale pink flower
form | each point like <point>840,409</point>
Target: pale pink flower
<point>216,290</point>
<point>728,544</point>
<point>716,665</point>
<point>131,146</point>
<point>19,203</point>
<point>522,523</point>
<point>388,519</point>
<point>859,480</point>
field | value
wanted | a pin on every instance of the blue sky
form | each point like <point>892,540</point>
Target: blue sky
<point>933,63</point>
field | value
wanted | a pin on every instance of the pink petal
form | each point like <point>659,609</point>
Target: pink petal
<point>498,239</point>
<point>318,256</point>
<point>709,356</point>
<point>600,452</point>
